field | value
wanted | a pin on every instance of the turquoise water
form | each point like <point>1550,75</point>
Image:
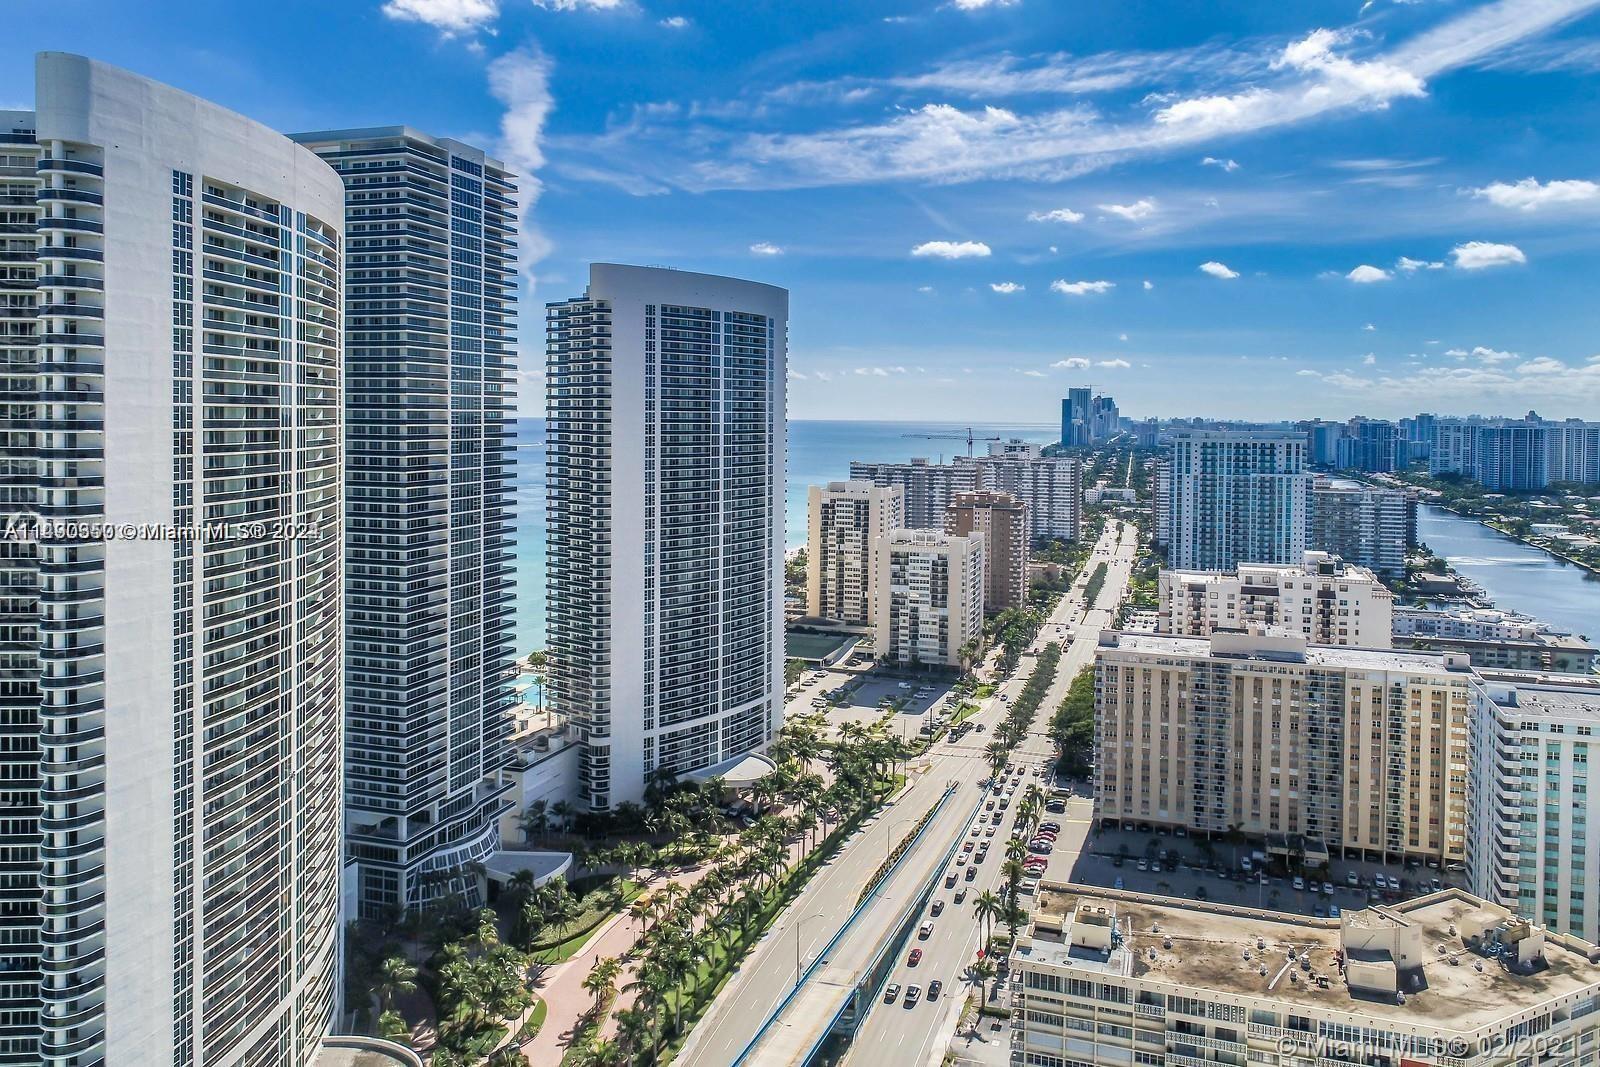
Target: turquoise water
<point>819,451</point>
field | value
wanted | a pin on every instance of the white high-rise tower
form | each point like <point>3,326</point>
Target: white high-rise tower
<point>665,409</point>
<point>170,731</point>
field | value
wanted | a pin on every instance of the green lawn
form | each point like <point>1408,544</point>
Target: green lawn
<point>598,907</point>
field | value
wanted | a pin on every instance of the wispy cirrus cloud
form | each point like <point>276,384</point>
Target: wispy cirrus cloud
<point>1052,134</point>
<point>1060,214</point>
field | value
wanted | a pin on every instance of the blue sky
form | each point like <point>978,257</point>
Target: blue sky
<point>1256,209</point>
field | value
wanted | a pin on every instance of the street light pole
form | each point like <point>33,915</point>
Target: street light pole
<point>797,924</point>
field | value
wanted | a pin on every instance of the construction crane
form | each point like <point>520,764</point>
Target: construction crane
<point>968,437</point>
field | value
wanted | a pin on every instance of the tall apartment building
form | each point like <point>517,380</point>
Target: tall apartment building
<point>170,690</point>
<point>1051,487</point>
<point>1234,496</point>
<point>1371,445</point>
<point>1321,598</point>
<point>1529,801</point>
<point>1455,447</point>
<point>845,521</point>
<point>1361,524</point>
<point>1574,451</point>
<point>1002,520</point>
<point>665,472</point>
<point>1513,456</point>
<point>1105,977</point>
<point>930,597</point>
<point>1362,750</point>
<point>1521,455</point>
<point>927,487</point>
<point>430,339</point>
<point>1076,411</point>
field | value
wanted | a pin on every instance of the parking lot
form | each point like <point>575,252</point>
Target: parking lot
<point>864,696</point>
<point>1167,864</point>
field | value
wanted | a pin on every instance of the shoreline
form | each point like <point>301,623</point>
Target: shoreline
<point>1582,566</point>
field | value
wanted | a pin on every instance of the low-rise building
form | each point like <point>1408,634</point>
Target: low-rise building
<point>930,597</point>
<point>1494,639</point>
<point>1002,520</point>
<point>1448,979</point>
<point>1324,599</point>
<point>1361,750</point>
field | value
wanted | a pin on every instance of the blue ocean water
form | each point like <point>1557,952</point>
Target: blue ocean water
<point>819,451</point>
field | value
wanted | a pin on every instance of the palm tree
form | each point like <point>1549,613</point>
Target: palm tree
<point>636,1031</point>
<point>536,820</point>
<point>986,908</point>
<point>393,1025</point>
<point>601,1052</point>
<point>982,970</point>
<point>601,981</point>
<point>397,977</point>
<point>640,910</point>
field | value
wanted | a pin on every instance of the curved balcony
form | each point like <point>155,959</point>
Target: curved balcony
<point>68,166</point>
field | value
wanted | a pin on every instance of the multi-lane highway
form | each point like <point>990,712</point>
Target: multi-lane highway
<point>817,915</point>
<point>919,1034</point>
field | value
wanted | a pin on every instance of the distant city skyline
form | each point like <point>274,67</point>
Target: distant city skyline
<point>1322,208</point>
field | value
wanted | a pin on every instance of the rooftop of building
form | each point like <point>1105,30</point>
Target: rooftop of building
<point>1312,564</point>
<point>1281,647</point>
<point>1548,696</point>
<point>1244,952</point>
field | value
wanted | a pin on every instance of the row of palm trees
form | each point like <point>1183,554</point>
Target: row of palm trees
<point>688,935</point>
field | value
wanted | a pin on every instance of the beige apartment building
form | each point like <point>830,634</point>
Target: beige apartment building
<point>1445,980</point>
<point>845,521</point>
<point>930,596</point>
<point>1360,750</point>
<point>1002,520</point>
<point>1323,598</point>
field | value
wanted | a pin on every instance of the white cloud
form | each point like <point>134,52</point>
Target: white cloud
<point>951,249</point>
<point>979,5</point>
<point>1060,214</point>
<point>520,80</point>
<point>1218,270</point>
<point>1411,266</point>
<point>1071,363</point>
<point>1122,337</point>
<point>1225,164</point>
<point>1543,365</point>
<point>1149,285</point>
<point>1369,327</point>
<point>924,288</point>
<point>449,17</point>
<point>795,375</point>
<point>1369,359</point>
<point>1060,285</point>
<point>1456,353</point>
<point>1034,373</point>
<point>675,22</point>
<point>766,248</point>
<point>1347,381</point>
<point>1530,195</point>
<point>579,5</point>
<point>1491,355</point>
<point>1139,209</point>
<point>1006,287</point>
<point>1308,373</point>
<point>872,372</point>
<point>1366,274</point>
<point>1477,255</point>
<point>1115,364</point>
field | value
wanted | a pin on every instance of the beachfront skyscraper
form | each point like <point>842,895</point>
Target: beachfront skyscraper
<point>665,473</point>
<point>429,358</point>
<point>170,690</point>
<point>845,520</point>
<point>1232,497</point>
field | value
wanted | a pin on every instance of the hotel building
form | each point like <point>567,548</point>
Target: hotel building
<point>930,597</point>
<point>170,690</point>
<point>1360,750</point>
<point>844,523</point>
<point>1321,598</point>
<point>430,289</point>
<point>665,472</point>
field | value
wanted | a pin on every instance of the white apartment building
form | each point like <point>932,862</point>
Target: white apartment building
<point>1496,640</point>
<point>1322,598</point>
<point>1362,750</point>
<point>1052,488</point>
<point>1232,497</point>
<point>844,522</point>
<point>1361,524</point>
<point>1447,979</point>
<point>1528,846</point>
<point>930,596</point>
<point>927,487</point>
<point>1015,448</point>
<point>171,692</point>
<point>429,465</point>
<point>665,472</point>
